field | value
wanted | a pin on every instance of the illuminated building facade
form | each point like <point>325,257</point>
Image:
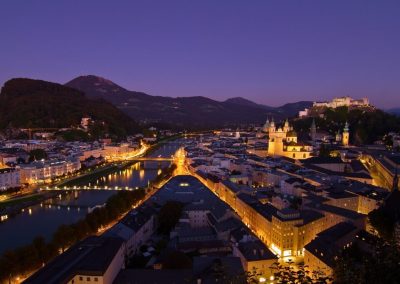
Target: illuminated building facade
<point>283,142</point>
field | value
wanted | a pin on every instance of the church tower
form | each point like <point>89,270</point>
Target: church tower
<point>266,126</point>
<point>237,134</point>
<point>338,137</point>
<point>346,135</point>
<point>272,128</point>
<point>286,126</point>
<point>313,131</point>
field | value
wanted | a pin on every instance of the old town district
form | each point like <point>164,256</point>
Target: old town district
<point>251,199</point>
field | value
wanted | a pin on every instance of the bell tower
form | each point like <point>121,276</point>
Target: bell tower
<point>313,131</point>
<point>346,135</point>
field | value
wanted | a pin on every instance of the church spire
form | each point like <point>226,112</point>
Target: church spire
<point>346,135</point>
<point>346,127</point>
<point>313,130</point>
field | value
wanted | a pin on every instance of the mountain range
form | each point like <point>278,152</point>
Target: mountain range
<point>182,112</point>
<point>28,103</point>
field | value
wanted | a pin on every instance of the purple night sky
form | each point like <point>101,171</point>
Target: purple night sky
<point>271,52</point>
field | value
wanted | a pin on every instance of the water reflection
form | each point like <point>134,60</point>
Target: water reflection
<point>68,207</point>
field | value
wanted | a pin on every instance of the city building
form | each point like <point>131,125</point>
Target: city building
<point>343,102</point>
<point>255,257</point>
<point>317,108</point>
<point>85,122</point>
<point>45,171</point>
<point>321,253</point>
<point>93,260</point>
<point>9,178</point>
<point>283,142</point>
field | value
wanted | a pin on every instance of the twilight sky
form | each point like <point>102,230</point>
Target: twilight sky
<point>271,52</point>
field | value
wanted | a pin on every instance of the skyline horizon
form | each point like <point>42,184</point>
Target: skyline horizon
<point>209,97</point>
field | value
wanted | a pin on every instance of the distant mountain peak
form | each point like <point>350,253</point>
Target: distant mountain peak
<point>245,102</point>
<point>95,86</point>
<point>96,80</point>
<point>239,100</point>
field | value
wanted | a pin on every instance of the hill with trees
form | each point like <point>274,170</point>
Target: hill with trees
<point>27,103</point>
<point>366,127</point>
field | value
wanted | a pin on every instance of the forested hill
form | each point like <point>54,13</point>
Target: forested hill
<point>27,103</point>
<point>366,127</point>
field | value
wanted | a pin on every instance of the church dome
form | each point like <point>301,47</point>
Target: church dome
<point>291,133</point>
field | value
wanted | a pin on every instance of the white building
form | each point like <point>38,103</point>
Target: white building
<point>343,101</point>
<point>335,103</point>
<point>7,158</point>
<point>44,171</point>
<point>85,122</point>
<point>9,178</point>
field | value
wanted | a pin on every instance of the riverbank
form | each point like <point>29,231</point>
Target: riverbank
<point>107,169</point>
<point>94,223</point>
<point>14,205</point>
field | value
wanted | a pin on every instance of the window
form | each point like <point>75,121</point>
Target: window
<point>88,279</point>
<point>96,279</point>
<point>80,278</point>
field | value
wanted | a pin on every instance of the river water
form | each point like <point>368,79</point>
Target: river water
<point>43,219</point>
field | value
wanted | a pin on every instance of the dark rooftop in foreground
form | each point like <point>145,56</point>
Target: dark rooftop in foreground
<point>170,276</point>
<point>92,256</point>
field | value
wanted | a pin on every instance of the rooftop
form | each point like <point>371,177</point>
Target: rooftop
<point>255,250</point>
<point>92,256</point>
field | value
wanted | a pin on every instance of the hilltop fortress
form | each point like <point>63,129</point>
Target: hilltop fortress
<point>335,103</point>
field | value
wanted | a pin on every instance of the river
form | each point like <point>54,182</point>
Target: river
<point>43,219</point>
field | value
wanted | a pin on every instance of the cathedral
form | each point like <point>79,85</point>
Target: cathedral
<point>283,142</point>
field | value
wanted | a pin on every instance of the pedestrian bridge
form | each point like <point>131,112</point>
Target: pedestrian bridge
<point>62,188</point>
<point>160,159</point>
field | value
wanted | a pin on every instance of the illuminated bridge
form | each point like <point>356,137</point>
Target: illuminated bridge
<point>160,159</point>
<point>89,188</point>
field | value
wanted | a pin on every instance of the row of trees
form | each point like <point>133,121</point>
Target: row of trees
<point>25,259</point>
<point>379,261</point>
<point>381,264</point>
